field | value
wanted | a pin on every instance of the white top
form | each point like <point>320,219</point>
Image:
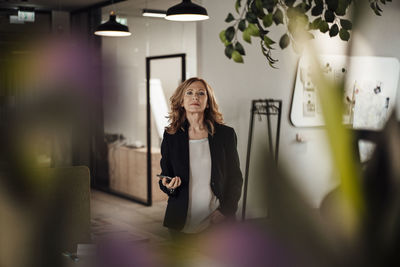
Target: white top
<point>202,201</point>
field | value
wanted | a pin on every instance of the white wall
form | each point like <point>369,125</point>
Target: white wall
<point>237,84</point>
<point>125,70</point>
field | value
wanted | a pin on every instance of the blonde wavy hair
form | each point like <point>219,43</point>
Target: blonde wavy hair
<point>177,116</point>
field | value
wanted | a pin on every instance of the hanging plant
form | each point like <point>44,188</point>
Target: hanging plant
<point>299,18</point>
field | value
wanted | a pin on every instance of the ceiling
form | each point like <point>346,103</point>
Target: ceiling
<point>127,7</point>
<point>134,7</point>
<point>49,4</point>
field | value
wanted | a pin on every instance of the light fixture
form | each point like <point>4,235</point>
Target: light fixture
<point>112,28</point>
<point>154,13</point>
<point>26,15</point>
<point>187,11</point>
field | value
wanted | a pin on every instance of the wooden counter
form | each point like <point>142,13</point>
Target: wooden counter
<point>128,171</point>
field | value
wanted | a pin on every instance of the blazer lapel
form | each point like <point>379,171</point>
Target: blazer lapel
<point>211,143</point>
<point>185,149</point>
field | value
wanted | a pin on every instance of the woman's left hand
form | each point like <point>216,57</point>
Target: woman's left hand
<point>217,217</point>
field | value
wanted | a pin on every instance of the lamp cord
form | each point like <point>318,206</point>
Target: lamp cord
<point>113,8</point>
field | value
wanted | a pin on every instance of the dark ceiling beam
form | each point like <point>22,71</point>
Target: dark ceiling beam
<point>14,10</point>
<point>95,6</point>
<point>4,7</point>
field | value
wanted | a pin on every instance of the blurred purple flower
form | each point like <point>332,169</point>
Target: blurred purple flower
<point>247,245</point>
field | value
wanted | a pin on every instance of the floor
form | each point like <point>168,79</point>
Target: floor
<point>112,211</point>
<point>111,214</point>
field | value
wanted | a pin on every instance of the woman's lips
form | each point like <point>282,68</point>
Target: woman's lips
<point>194,104</point>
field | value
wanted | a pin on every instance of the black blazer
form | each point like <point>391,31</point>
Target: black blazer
<point>226,177</point>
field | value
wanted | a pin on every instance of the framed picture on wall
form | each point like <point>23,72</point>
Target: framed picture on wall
<point>369,92</point>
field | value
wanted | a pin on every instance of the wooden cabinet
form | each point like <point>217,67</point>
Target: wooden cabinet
<point>128,171</point>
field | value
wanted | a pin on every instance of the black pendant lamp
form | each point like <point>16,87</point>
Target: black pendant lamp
<point>187,11</point>
<point>112,28</point>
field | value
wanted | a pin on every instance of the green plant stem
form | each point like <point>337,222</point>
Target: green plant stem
<point>236,25</point>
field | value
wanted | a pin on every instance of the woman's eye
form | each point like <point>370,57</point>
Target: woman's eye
<point>202,93</point>
<point>189,93</point>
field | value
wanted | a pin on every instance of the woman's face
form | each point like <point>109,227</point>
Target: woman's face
<point>195,97</point>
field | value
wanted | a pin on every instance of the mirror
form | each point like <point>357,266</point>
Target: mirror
<point>163,75</point>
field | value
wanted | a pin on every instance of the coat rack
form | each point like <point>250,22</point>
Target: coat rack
<point>268,107</point>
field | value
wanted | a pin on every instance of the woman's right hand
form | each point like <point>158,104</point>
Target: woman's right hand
<point>174,183</point>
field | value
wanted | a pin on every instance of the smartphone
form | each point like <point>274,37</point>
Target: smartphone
<point>164,176</point>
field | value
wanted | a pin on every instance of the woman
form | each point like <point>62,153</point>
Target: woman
<point>199,152</point>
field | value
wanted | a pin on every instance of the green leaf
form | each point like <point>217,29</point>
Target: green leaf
<point>237,5</point>
<point>259,4</point>
<point>291,12</point>
<point>240,48</point>
<point>289,3</point>
<point>302,7</point>
<point>222,36</point>
<point>377,7</point>
<point>251,17</point>
<point>334,30</point>
<point>377,12</point>
<point>242,25</point>
<point>229,18</point>
<point>340,11</point>
<point>268,40</point>
<point>302,20</point>
<point>278,17</point>
<point>373,6</point>
<point>269,4</point>
<point>329,16</point>
<point>228,51</point>
<point>267,20</point>
<point>237,57</point>
<point>292,26</point>
<point>342,6</point>
<point>346,24</point>
<point>284,41</point>
<point>247,36</point>
<point>253,30</point>
<point>229,33</point>
<point>323,26</point>
<point>344,35</point>
<point>332,4</point>
<point>317,10</point>
<point>319,2</point>
<point>315,24</point>
<point>253,7</point>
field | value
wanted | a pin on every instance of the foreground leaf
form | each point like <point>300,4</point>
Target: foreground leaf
<point>346,24</point>
<point>247,36</point>
<point>237,57</point>
<point>228,51</point>
<point>229,18</point>
<point>334,30</point>
<point>344,35</point>
<point>284,41</point>
<point>242,25</point>
<point>229,33</point>
<point>239,48</point>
